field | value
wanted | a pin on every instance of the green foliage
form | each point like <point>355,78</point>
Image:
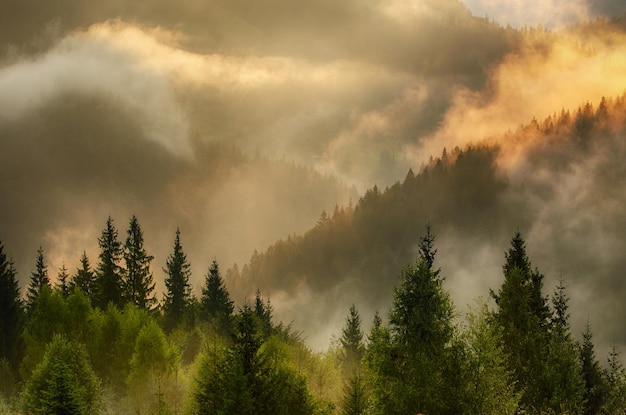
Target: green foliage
<point>47,318</point>
<point>39,279</point>
<point>239,380</point>
<point>414,365</point>
<point>109,272</point>
<point>421,314</point>
<point>595,386</point>
<point>11,312</point>
<point>63,383</point>
<point>62,281</point>
<point>523,314</point>
<point>85,279</point>
<point>215,303</point>
<point>263,311</point>
<point>563,370</point>
<point>352,342</point>
<point>354,400</point>
<point>138,284</point>
<point>178,291</point>
<point>489,386</point>
<point>615,403</point>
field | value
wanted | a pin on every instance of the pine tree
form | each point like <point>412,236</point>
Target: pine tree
<point>63,382</point>
<point>63,283</point>
<point>39,279</point>
<point>563,371</point>
<point>11,312</point>
<point>354,400</point>
<point>215,303</point>
<point>85,279</point>
<point>263,310</point>
<point>421,314</point>
<point>139,284</point>
<point>352,342</point>
<point>595,388</point>
<point>488,384</point>
<point>109,273</point>
<point>523,313</point>
<point>178,295</point>
<point>615,403</point>
<point>420,321</point>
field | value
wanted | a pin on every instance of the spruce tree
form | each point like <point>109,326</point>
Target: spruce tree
<point>263,310</point>
<point>62,281</point>
<point>39,278</point>
<point>85,279</point>
<point>615,402</point>
<point>354,399</point>
<point>563,371</point>
<point>63,382</point>
<point>109,273</point>
<point>523,313</point>
<point>178,296</point>
<point>11,312</point>
<point>419,374</point>
<point>352,342</point>
<point>215,303</point>
<point>139,284</point>
<point>595,388</point>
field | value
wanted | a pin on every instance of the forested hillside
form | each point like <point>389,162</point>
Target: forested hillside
<point>539,178</point>
<point>98,341</point>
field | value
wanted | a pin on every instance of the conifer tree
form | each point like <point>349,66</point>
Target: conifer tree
<point>139,284</point>
<point>523,313</point>
<point>63,382</point>
<point>11,311</point>
<point>354,400</point>
<point>63,283</point>
<point>595,388</point>
<point>615,402</point>
<point>39,278</point>
<point>352,341</point>
<point>85,279</point>
<point>263,310</point>
<point>215,303</point>
<point>563,371</point>
<point>178,295</point>
<point>109,273</point>
<point>415,371</point>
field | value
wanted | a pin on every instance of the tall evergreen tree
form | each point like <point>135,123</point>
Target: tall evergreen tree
<point>263,310</point>
<point>215,303</point>
<point>178,295</point>
<point>139,284</point>
<point>63,383</point>
<point>85,279</point>
<point>615,402</point>
<point>562,368</point>
<point>39,278</point>
<point>11,311</point>
<point>595,388</point>
<point>418,371</point>
<point>523,313</point>
<point>62,281</point>
<point>354,399</point>
<point>109,273</point>
<point>352,342</point>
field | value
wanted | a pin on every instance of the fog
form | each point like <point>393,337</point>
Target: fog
<point>240,124</point>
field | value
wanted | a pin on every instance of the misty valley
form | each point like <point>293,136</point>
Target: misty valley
<point>318,207</point>
<point>101,338</point>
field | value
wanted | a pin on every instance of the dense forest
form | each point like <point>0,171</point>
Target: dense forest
<point>290,247</point>
<point>99,341</point>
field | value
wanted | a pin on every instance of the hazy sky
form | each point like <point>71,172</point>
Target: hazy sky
<point>121,107</point>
